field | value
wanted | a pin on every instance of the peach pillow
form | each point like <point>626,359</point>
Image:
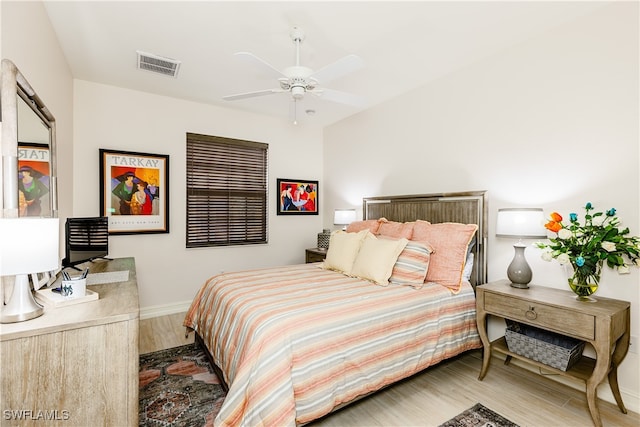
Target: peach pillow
<point>370,224</point>
<point>376,259</point>
<point>343,249</point>
<point>420,228</point>
<point>396,230</point>
<point>450,242</point>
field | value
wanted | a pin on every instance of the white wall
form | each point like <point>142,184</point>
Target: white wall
<point>168,273</point>
<point>550,123</point>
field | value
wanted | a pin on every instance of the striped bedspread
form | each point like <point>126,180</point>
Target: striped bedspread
<point>294,342</point>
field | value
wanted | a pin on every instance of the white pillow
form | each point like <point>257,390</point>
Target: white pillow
<point>376,259</point>
<point>468,268</point>
<point>343,249</point>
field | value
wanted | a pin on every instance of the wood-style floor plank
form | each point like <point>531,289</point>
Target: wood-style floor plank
<point>159,333</point>
<point>441,392</point>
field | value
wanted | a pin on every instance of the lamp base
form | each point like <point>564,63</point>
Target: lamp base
<point>21,306</point>
<point>519,271</point>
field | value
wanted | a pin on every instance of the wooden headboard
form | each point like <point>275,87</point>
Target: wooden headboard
<point>465,207</point>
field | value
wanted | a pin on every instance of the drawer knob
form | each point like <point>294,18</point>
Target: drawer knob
<point>531,314</point>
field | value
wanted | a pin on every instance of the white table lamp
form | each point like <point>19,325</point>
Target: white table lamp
<point>27,246</point>
<point>520,223</point>
<point>344,217</point>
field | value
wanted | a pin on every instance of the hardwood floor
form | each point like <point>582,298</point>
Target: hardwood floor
<point>441,392</point>
<point>159,333</point>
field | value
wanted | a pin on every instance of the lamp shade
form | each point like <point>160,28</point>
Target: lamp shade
<point>29,245</point>
<point>344,216</point>
<point>521,223</point>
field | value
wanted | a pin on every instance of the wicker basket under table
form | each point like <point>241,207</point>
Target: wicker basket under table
<point>558,351</point>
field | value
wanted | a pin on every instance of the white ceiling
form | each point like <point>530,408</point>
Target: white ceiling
<point>403,44</point>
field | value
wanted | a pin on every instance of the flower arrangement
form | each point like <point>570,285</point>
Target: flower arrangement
<point>587,246</point>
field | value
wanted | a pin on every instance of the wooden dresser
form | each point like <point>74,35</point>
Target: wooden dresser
<point>75,365</point>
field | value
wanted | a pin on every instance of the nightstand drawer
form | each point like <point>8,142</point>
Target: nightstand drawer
<point>315,255</point>
<point>550,317</point>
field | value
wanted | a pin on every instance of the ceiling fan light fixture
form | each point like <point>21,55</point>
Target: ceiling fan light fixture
<point>300,80</point>
<point>297,92</point>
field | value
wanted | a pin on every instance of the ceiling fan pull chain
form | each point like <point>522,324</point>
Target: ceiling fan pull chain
<point>295,111</point>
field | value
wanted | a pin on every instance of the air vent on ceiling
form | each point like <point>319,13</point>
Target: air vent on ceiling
<point>158,64</point>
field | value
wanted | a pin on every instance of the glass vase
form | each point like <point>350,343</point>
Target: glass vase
<point>584,285</point>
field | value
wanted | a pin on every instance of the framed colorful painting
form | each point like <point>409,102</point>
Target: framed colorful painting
<point>134,191</point>
<point>297,197</point>
<point>34,183</point>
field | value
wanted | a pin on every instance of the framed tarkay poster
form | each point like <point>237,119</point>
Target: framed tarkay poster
<point>297,197</point>
<point>134,191</point>
<point>34,172</point>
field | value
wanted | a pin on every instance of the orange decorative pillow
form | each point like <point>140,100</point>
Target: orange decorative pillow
<point>370,224</point>
<point>420,228</point>
<point>450,242</point>
<point>396,230</point>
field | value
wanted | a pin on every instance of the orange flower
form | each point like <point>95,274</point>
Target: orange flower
<point>553,226</point>
<point>555,216</point>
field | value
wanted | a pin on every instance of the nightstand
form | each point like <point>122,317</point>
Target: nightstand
<point>315,254</point>
<point>605,324</point>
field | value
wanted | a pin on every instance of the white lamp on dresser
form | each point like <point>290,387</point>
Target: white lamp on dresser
<point>27,246</point>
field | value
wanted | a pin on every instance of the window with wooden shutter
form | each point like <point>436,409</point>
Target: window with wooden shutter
<point>226,191</point>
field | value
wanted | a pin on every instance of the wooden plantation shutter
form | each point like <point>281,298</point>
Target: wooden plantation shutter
<point>226,191</point>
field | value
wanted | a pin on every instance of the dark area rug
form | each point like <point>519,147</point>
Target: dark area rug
<point>478,416</point>
<point>178,388</point>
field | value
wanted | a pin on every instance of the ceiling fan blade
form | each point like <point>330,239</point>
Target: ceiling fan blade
<point>266,68</point>
<point>341,67</point>
<point>341,97</point>
<point>251,94</point>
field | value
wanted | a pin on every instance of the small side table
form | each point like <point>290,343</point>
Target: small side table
<point>605,324</point>
<point>315,254</point>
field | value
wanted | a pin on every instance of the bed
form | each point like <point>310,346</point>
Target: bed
<point>293,343</point>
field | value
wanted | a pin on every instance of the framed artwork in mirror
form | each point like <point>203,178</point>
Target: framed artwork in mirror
<point>297,197</point>
<point>34,180</point>
<point>134,191</point>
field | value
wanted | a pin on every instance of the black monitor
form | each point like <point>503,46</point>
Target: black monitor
<point>85,240</point>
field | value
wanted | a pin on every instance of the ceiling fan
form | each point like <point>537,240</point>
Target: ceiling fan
<point>299,80</point>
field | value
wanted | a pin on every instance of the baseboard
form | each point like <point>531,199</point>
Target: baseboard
<point>164,310</point>
<point>629,397</point>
